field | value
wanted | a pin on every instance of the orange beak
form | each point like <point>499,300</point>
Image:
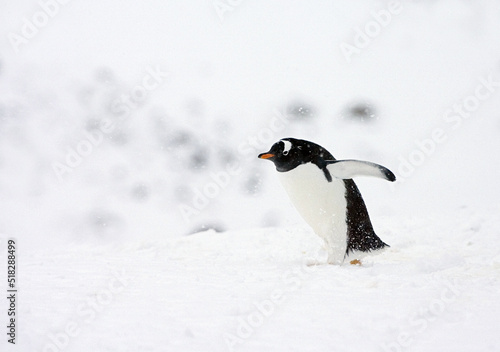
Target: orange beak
<point>265,155</point>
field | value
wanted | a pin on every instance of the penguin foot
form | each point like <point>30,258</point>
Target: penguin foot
<point>356,262</point>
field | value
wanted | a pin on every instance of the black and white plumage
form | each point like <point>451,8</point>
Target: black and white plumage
<point>322,190</point>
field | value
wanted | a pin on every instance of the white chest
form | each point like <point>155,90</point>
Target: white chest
<point>322,204</point>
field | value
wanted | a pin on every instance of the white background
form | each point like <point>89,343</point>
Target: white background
<point>233,69</point>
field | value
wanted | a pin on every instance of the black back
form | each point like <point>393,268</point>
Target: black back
<point>360,233</point>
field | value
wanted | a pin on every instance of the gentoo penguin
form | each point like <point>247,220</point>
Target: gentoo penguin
<point>322,190</point>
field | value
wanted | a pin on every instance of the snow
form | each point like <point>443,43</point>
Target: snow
<point>127,130</point>
<point>253,290</point>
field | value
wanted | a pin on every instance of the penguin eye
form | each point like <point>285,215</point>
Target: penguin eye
<point>285,153</point>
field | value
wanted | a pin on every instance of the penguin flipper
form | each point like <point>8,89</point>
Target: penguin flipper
<point>346,169</point>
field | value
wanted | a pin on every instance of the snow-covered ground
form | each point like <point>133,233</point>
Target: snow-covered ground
<point>435,289</point>
<point>128,128</point>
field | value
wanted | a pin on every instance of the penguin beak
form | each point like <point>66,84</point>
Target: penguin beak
<point>266,155</point>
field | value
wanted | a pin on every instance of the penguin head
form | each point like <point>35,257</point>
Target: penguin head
<point>288,153</point>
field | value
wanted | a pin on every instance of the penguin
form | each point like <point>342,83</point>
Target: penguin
<point>323,192</point>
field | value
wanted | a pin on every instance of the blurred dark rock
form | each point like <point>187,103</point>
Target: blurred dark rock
<point>140,192</point>
<point>199,159</point>
<point>104,223</point>
<point>361,111</point>
<point>226,156</point>
<point>300,110</point>
<point>179,139</point>
<point>93,124</point>
<point>104,75</point>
